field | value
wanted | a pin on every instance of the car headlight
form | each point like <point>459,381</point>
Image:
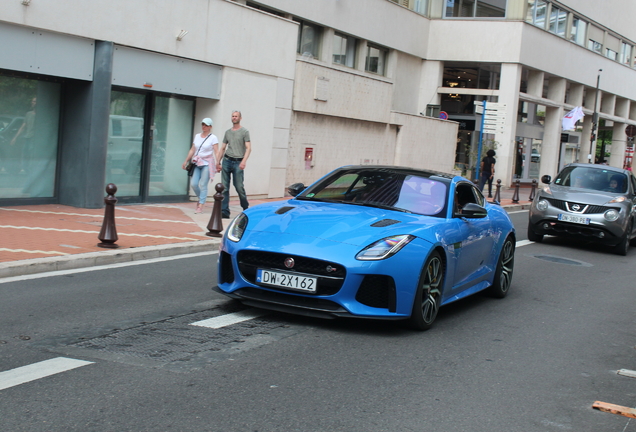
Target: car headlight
<point>619,199</point>
<point>547,190</point>
<point>611,215</point>
<point>384,248</point>
<point>542,205</point>
<point>237,228</point>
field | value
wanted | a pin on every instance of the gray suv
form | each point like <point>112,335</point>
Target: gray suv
<point>587,202</point>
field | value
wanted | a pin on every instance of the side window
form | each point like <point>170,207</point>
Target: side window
<point>479,197</point>
<point>465,194</point>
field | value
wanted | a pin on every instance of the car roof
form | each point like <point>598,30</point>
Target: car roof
<point>399,169</point>
<point>598,167</point>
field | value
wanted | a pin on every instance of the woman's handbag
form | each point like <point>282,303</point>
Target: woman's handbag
<point>191,165</point>
<point>190,168</point>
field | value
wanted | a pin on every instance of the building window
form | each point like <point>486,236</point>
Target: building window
<point>595,46</point>
<point>309,37</point>
<point>577,32</point>
<point>264,9</point>
<point>419,6</point>
<point>611,54</point>
<point>376,59</point>
<point>344,50</point>
<point>626,54</point>
<point>475,8</point>
<point>28,137</point>
<point>537,10</point>
<point>558,21</point>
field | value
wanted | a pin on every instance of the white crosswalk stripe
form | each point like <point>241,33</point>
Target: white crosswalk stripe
<point>38,370</point>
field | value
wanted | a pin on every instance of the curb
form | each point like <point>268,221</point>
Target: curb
<point>113,256</point>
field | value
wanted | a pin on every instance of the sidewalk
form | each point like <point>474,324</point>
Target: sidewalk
<point>42,238</point>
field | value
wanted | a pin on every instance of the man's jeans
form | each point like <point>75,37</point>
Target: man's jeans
<point>231,168</point>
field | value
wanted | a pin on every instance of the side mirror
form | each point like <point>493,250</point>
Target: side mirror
<point>295,189</point>
<point>546,179</point>
<point>473,211</point>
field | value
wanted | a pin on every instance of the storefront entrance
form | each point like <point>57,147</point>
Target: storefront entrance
<point>149,136</point>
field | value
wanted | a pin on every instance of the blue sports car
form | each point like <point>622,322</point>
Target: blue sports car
<point>376,242</point>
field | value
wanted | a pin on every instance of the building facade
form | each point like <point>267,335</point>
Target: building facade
<point>103,92</point>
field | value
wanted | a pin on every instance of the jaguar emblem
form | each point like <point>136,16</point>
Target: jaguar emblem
<point>289,263</point>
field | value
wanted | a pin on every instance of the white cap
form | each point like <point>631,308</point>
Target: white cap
<point>207,121</point>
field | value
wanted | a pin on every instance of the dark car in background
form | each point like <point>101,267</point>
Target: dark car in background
<point>589,202</point>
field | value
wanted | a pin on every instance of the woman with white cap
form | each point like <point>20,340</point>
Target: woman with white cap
<point>203,154</point>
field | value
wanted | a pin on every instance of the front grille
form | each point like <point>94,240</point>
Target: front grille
<point>567,205</point>
<point>576,230</point>
<point>289,300</point>
<point>377,291</point>
<point>330,275</point>
<point>227,271</point>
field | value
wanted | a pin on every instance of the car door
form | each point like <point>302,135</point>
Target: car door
<point>474,251</point>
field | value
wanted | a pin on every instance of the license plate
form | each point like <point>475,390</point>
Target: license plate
<point>287,280</point>
<point>574,219</point>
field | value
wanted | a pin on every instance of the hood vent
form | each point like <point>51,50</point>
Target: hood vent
<point>283,210</point>
<point>385,223</point>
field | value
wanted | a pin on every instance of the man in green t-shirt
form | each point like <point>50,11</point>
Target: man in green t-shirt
<point>235,151</point>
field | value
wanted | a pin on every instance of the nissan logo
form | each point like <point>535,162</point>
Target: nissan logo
<point>289,263</point>
<point>576,207</point>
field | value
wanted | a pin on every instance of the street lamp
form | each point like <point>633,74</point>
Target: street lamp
<point>594,119</point>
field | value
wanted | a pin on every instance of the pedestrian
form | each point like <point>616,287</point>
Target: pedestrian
<point>487,171</point>
<point>204,154</point>
<point>235,150</point>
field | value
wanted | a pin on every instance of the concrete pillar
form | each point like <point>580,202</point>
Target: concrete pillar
<point>575,95</point>
<point>551,146</point>
<point>584,145</point>
<point>509,95</point>
<point>607,103</point>
<point>361,55</point>
<point>85,134</point>
<point>326,47</point>
<point>632,111</point>
<point>431,78</point>
<point>619,144</point>
<point>535,83</point>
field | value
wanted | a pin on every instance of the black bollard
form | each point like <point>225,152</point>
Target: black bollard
<point>532,191</point>
<point>215,226</point>
<point>515,196</point>
<point>108,234</point>
<point>497,198</point>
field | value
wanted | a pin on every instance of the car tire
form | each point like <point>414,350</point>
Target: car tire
<point>534,237</point>
<point>428,297</point>
<point>503,273</point>
<point>622,247</point>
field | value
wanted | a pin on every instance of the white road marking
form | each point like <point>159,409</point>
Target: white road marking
<point>97,232</point>
<point>33,251</point>
<point>98,216</point>
<point>38,370</point>
<point>103,267</point>
<point>524,243</point>
<point>518,211</point>
<point>229,319</point>
<point>627,373</point>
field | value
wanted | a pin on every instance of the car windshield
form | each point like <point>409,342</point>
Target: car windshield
<point>384,189</point>
<point>597,179</point>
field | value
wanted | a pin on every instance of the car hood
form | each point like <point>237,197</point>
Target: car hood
<point>584,196</point>
<point>342,223</point>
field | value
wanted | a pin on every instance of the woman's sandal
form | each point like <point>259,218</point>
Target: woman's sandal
<point>199,209</point>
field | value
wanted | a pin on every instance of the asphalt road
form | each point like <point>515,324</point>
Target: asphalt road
<point>534,361</point>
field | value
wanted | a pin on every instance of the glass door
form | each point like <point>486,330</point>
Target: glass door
<point>148,139</point>
<point>125,142</point>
